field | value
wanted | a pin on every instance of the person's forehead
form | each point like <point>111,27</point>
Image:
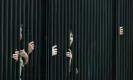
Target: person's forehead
<point>71,35</point>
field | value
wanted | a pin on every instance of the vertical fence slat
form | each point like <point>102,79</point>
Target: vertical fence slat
<point>2,38</point>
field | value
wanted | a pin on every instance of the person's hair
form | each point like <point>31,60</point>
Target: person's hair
<point>70,31</point>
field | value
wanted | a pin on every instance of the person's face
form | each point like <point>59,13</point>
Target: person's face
<point>20,35</point>
<point>71,38</point>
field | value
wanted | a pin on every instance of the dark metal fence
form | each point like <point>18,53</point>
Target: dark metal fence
<point>124,43</point>
<point>92,23</point>
<point>13,13</point>
<point>99,52</point>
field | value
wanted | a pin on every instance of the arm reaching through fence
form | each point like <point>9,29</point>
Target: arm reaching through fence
<point>69,54</point>
<point>24,55</point>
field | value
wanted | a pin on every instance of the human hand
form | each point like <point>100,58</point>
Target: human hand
<point>16,55</point>
<point>54,50</point>
<point>24,55</point>
<point>69,54</point>
<point>30,47</point>
<point>121,31</point>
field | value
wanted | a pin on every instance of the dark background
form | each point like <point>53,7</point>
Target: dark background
<point>98,51</point>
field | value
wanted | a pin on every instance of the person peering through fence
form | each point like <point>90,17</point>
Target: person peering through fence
<point>24,56</point>
<point>72,69</point>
